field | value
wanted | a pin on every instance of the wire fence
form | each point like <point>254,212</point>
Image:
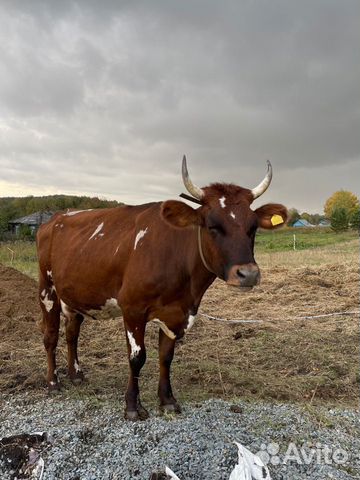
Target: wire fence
<point>307,317</point>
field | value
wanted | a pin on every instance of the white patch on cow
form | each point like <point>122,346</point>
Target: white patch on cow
<point>53,289</point>
<point>97,230</point>
<point>49,274</point>
<point>77,367</point>
<point>111,309</point>
<point>52,383</point>
<point>191,321</point>
<point>48,303</point>
<point>61,225</point>
<point>117,249</point>
<point>164,328</point>
<point>75,212</point>
<point>135,349</point>
<point>43,293</point>
<point>64,308</point>
<point>139,236</point>
<point>222,202</point>
<point>232,214</point>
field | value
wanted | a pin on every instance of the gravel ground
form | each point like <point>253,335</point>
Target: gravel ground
<point>90,440</point>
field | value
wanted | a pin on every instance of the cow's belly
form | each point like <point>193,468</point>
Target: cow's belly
<point>109,309</point>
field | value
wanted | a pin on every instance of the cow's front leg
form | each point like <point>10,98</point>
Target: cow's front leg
<point>137,357</point>
<point>166,354</point>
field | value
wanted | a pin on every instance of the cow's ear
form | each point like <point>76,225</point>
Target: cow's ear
<point>272,215</point>
<point>179,214</point>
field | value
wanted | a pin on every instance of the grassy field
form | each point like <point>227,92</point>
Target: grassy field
<point>305,238</point>
<point>22,255</point>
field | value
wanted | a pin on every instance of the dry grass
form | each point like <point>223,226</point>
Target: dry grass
<point>283,358</point>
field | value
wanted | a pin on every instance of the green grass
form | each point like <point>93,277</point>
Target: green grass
<point>22,254</point>
<point>306,238</point>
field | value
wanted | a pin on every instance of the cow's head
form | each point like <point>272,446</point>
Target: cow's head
<point>226,226</point>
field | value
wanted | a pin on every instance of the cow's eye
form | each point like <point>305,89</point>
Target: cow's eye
<point>216,229</point>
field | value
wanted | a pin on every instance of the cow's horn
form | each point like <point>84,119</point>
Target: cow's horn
<point>195,191</point>
<point>263,186</point>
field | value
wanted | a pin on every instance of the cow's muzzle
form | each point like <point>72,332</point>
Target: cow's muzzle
<point>245,276</point>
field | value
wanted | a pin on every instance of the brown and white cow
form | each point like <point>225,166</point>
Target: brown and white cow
<point>155,262</point>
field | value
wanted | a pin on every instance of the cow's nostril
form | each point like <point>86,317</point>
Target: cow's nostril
<point>240,274</point>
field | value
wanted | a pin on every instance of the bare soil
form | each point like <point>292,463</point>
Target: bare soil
<point>280,358</point>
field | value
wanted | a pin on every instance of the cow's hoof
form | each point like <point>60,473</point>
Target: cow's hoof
<point>54,388</point>
<point>77,379</point>
<point>133,415</point>
<point>170,408</point>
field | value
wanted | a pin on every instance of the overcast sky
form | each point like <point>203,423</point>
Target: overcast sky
<point>104,97</point>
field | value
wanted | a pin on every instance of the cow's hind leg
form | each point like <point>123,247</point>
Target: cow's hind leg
<point>73,322</point>
<point>137,357</point>
<point>166,353</point>
<point>51,320</point>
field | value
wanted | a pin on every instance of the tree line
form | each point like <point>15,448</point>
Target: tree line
<point>313,218</point>
<point>16,207</point>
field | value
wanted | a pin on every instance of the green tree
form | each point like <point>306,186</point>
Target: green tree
<point>341,199</point>
<point>7,212</point>
<point>306,216</point>
<point>315,218</point>
<point>354,219</point>
<point>339,219</point>
<point>294,215</point>
<point>25,232</point>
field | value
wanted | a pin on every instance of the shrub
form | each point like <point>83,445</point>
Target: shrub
<point>339,219</point>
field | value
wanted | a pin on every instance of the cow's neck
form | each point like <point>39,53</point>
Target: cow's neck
<point>201,252</point>
<point>201,277</point>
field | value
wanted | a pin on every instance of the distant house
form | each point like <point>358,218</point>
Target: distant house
<point>324,223</point>
<point>302,223</point>
<point>32,221</point>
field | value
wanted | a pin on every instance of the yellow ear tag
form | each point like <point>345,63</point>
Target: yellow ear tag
<point>276,220</point>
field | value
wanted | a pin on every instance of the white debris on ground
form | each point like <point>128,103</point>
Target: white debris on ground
<point>171,474</point>
<point>250,466</point>
<point>35,466</point>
